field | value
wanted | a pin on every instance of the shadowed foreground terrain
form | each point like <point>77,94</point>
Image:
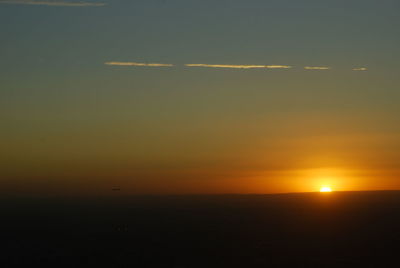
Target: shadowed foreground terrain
<point>342,229</point>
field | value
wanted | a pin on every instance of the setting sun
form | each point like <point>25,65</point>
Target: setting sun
<point>325,189</point>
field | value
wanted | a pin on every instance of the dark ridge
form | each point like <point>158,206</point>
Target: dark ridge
<point>339,229</point>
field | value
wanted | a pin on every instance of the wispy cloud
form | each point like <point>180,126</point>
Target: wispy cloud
<point>239,66</point>
<point>221,66</point>
<point>317,68</point>
<point>360,69</point>
<point>53,3</point>
<point>122,63</point>
<point>278,67</point>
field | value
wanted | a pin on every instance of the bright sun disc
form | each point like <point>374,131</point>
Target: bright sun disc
<point>325,189</point>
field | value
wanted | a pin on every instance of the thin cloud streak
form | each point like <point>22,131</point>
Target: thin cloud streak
<point>222,66</point>
<point>239,66</point>
<point>139,64</point>
<point>278,67</point>
<point>52,3</point>
<point>317,68</point>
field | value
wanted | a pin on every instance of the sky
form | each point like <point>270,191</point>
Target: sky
<point>184,96</point>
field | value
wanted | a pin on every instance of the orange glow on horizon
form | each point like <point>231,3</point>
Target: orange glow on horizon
<point>325,189</point>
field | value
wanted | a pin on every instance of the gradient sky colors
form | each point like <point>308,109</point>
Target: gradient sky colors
<point>185,96</point>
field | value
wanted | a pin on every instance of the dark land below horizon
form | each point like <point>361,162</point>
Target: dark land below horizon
<point>338,229</point>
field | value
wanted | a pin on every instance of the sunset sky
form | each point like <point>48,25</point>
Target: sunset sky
<point>211,96</point>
